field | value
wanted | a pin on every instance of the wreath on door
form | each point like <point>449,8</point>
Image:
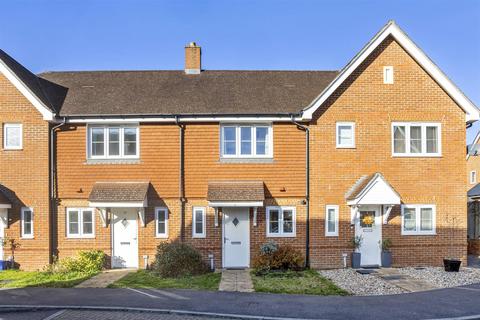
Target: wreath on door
<point>368,220</point>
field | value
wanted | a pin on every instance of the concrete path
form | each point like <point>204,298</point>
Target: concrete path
<point>105,278</point>
<point>403,281</point>
<point>236,280</point>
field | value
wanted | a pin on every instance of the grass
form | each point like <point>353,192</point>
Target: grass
<point>148,279</point>
<point>302,282</point>
<point>22,279</point>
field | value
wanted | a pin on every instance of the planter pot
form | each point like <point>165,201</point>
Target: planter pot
<point>386,259</point>
<point>356,258</point>
<point>451,265</point>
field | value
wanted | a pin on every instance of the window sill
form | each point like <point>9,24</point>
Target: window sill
<point>246,160</point>
<point>281,235</point>
<point>419,234</point>
<point>161,236</point>
<point>112,161</point>
<point>80,237</point>
<point>416,155</point>
<point>12,149</point>
<point>331,235</point>
<point>199,236</point>
<point>27,237</point>
<point>346,147</point>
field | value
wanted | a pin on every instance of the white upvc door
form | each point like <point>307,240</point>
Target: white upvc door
<point>124,238</point>
<point>371,234</point>
<point>236,238</point>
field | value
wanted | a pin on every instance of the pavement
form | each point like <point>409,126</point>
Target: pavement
<point>435,304</point>
<point>236,280</point>
<point>403,281</point>
<point>105,278</point>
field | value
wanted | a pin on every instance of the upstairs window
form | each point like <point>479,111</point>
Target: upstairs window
<point>80,223</point>
<point>281,222</point>
<point>388,75</point>
<point>416,139</point>
<point>473,177</point>
<point>345,134</point>
<point>246,141</point>
<point>12,136</point>
<point>113,142</point>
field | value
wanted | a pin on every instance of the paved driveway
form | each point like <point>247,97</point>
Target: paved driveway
<point>442,303</point>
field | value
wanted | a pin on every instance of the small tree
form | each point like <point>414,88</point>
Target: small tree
<point>11,244</point>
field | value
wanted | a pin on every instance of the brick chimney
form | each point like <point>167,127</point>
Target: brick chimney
<point>192,58</point>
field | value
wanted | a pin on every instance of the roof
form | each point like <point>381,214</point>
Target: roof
<point>119,191</point>
<point>236,191</point>
<point>47,96</point>
<point>3,199</point>
<point>393,30</point>
<point>473,148</point>
<point>474,192</point>
<point>102,93</point>
<point>359,186</point>
<point>372,189</point>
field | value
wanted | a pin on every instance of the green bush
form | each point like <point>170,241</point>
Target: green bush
<point>281,258</point>
<point>175,259</point>
<point>91,261</point>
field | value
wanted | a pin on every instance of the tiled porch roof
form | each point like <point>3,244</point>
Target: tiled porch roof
<point>3,198</point>
<point>236,191</point>
<point>119,191</point>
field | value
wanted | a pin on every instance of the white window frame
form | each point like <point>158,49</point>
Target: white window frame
<point>24,235</point>
<point>253,128</point>
<point>386,80</point>
<point>423,126</point>
<point>336,209</point>
<point>417,231</point>
<point>165,211</point>
<point>81,234</point>
<point>337,135</point>
<point>12,125</point>
<point>106,138</point>
<point>281,233</point>
<point>194,222</point>
<point>473,177</point>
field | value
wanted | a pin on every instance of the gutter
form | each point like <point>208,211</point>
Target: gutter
<point>307,188</point>
<point>181,177</point>
<point>53,195</point>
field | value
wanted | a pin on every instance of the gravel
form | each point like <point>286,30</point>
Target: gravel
<point>441,279</point>
<point>358,284</point>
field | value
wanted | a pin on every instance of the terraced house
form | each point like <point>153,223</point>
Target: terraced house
<point>227,160</point>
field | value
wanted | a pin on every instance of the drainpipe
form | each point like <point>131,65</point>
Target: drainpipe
<point>53,194</point>
<point>307,188</point>
<point>181,176</point>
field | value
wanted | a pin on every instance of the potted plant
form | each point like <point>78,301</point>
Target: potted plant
<point>386,253</point>
<point>450,263</point>
<point>356,242</point>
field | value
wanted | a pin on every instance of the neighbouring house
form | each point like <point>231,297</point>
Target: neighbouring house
<point>227,160</point>
<point>473,193</point>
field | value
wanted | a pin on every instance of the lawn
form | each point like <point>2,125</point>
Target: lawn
<point>148,279</point>
<point>302,282</point>
<point>21,279</point>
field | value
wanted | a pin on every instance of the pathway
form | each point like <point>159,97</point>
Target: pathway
<point>105,278</point>
<point>403,281</point>
<point>236,280</point>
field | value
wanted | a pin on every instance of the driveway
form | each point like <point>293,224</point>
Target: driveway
<point>442,303</point>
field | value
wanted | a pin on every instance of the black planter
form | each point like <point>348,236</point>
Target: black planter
<point>356,258</point>
<point>452,265</point>
<point>386,259</point>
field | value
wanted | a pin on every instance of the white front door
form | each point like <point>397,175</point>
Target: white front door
<point>236,238</point>
<point>369,227</point>
<point>124,238</point>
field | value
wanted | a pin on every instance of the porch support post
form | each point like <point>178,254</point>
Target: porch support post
<point>255,216</point>
<point>141,215</point>
<point>216,216</point>
<point>354,214</point>
<point>388,210</point>
<point>4,217</point>
<point>103,216</point>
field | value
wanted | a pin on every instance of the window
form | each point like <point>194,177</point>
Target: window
<point>80,223</point>
<point>345,134</point>
<point>246,141</point>
<point>388,75</point>
<point>198,222</point>
<point>27,222</point>
<point>113,142</point>
<point>281,222</point>
<point>418,219</point>
<point>161,218</point>
<point>473,177</point>
<point>12,136</point>
<point>416,139</point>
<point>331,220</point>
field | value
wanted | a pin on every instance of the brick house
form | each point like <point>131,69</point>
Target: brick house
<point>227,160</point>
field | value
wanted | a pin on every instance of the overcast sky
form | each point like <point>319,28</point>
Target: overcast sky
<point>301,35</point>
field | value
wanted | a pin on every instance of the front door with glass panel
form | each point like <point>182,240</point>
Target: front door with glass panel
<point>236,238</point>
<point>124,238</point>
<point>369,227</point>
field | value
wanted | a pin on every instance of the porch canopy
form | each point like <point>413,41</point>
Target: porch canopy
<point>372,190</point>
<point>106,195</point>
<point>4,201</point>
<point>229,193</point>
<point>474,193</point>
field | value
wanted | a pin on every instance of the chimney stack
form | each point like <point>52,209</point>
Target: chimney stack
<point>192,58</point>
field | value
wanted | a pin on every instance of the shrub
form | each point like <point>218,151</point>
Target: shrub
<point>281,258</point>
<point>175,259</point>
<point>91,261</point>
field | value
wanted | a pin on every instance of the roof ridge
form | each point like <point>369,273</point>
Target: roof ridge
<point>176,70</point>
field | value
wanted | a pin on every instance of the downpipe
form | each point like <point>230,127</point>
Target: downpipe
<point>181,177</point>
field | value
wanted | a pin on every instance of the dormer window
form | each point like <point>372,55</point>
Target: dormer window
<point>388,75</point>
<point>113,142</point>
